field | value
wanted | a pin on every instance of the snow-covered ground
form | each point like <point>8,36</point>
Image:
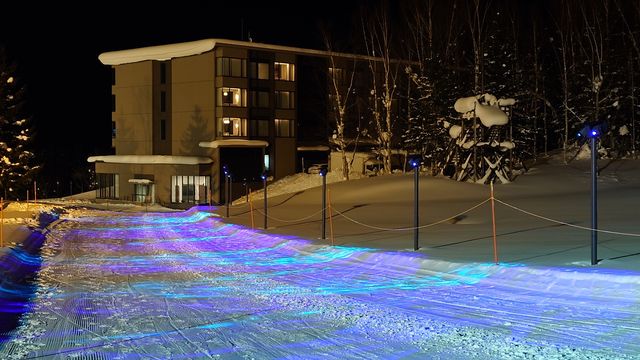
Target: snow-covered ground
<point>194,285</point>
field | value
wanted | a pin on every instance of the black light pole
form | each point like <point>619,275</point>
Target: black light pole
<point>227,191</point>
<point>593,132</point>
<point>594,198</point>
<point>415,163</point>
<point>226,188</point>
<point>264,187</point>
<point>323,173</point>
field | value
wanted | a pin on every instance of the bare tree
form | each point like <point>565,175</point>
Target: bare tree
<point>341,92</point>
<point>384,74</point>
<point>564,29</point>
<point>476,19</point>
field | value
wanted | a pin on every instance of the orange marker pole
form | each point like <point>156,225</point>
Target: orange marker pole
<point>253,225</point>
<point>330,216</point>
<point>493,223</point>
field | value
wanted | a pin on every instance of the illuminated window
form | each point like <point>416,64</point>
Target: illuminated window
<point>266,161</point>
<point>284,128</point>
<point>284,71</point>
<point>258,70</point>
<point>190,189</point>
<point>259,128</point>
<point>232,97</point>
<point>230,126</point>
<point>231,67</point>
<point>141,193</point>
<point>285,100</point>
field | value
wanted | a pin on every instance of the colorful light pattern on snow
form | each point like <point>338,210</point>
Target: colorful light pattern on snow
<point>185,285</point>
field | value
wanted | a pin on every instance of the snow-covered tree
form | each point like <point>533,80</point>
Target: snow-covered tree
<point>428,87</point>
<point>16,160</point>
<point>486,144</point>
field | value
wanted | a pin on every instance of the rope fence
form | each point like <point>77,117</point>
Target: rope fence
<point>563,222</point>
<point>412,227</point>
<point>492,200</point>
<point>291,220</point>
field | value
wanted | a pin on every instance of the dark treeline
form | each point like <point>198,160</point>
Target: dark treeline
<point>566,64</point>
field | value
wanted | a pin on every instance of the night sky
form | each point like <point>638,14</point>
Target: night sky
<point>68,89</point>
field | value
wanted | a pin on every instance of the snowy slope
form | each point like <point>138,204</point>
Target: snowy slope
<point>187,285</point>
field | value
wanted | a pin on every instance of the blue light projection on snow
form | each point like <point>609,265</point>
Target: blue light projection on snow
<point>185,285</point>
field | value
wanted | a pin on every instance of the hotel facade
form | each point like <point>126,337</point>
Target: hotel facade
<point>183,114</point>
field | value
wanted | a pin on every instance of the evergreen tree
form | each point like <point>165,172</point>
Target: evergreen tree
<point>16,161</point>
<point>432,92</point>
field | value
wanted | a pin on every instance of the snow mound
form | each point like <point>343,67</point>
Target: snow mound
<point>294,183</point>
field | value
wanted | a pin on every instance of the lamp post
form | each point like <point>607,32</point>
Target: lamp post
<point>593,132</point>
<point>323,173</point>
<point>594,198</point>
<point>227,191</point>
<point>264,188</point>
<point>415,164</point>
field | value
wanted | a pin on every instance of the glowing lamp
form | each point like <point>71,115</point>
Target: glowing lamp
<point>414,161</point>
<point>591,131</point>
<point>323,170</point>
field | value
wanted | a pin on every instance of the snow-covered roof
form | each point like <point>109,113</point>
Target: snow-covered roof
<point>141,181</point>
<point>170,51</point>
<point>151,159</point>
<point>313,148</point>
<point>233,143</point>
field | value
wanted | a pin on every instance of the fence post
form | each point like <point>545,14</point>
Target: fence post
<point>330,216</point>
<point>264,189</point>
<point>493,224</point>
<point>253,225</point>
<point>323,173</point>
